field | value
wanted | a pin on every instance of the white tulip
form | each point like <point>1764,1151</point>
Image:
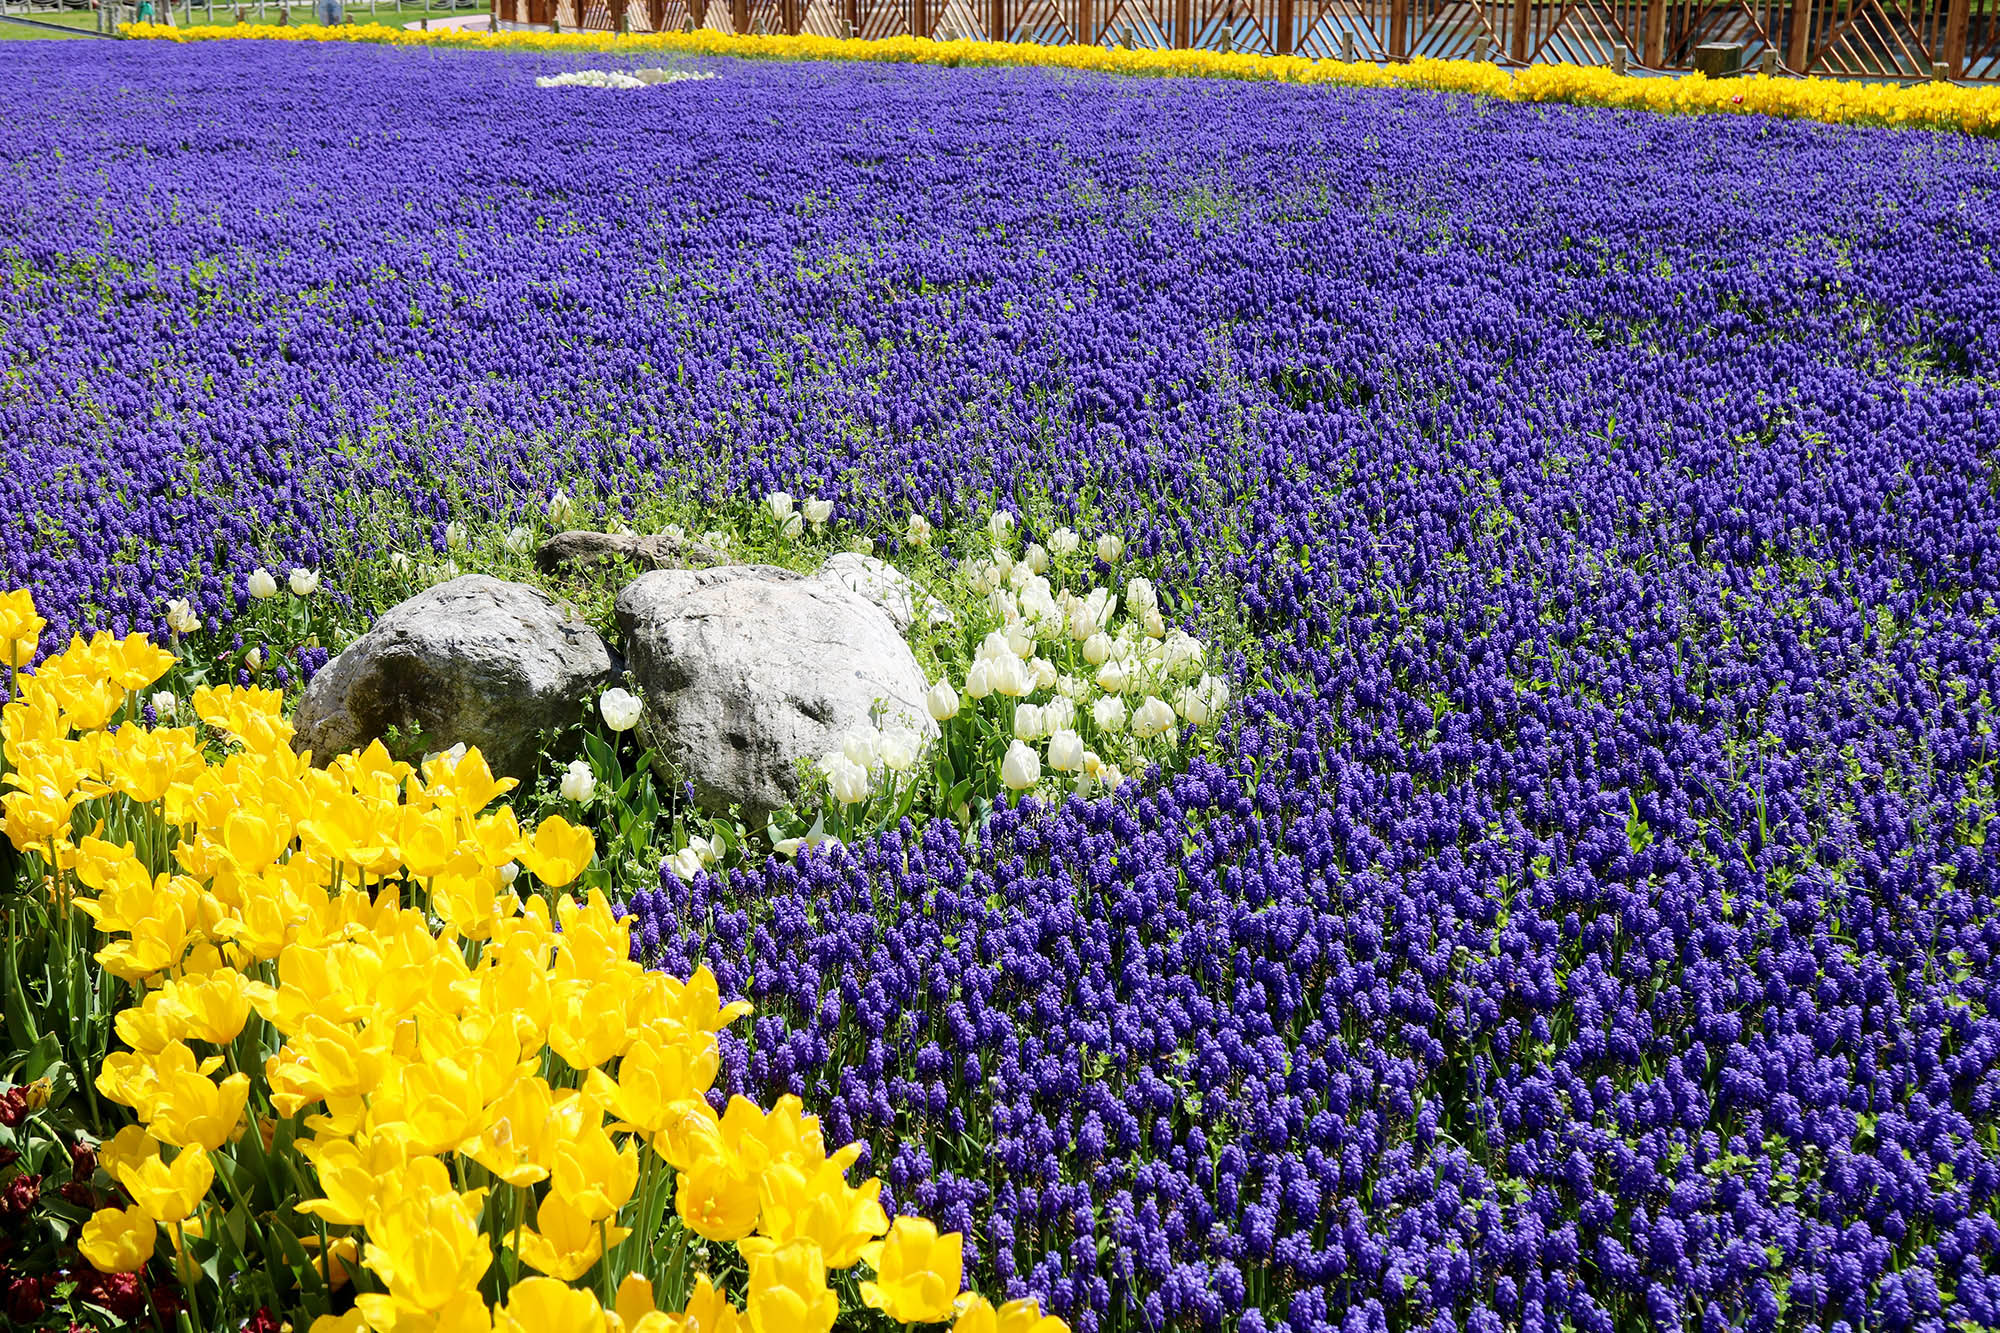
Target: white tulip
<point>1057,714</point>
<point>674,533</point>
<point>685,863</point>
<point>561,506</point>
<point>1010,677</point>
<point>620,709</point>
<point>1028,725</point>
<point>1190,704</point>
<point>1021,639</point>
<point>164,705</point>
<point>304,582</point>
<point>862,747</point>
<point>979,679</point>
<point>1110,547</point>
<point>1074,687</point>
<point>1111,777</point>
<point>942,702</point>
<point>703,848</point>
<point>1152,718</point>
<point>1043,672</point>
<point>1140,597</point>
<point>399,562</point>
<point>454,536</point>
<point>1065,751</point>
<point>1181,654</point>
<point>918,531</point>
<point>254,659</point>
<point>845,779</point>
<point>1064,541</point>
<point>1153,624</point>
<point>577,782</point>
<point>509,873</point>
<point>261,585</point>
<point>1037,558</point>
<point>861,545</point>
<point>181,618</point>
<point>780,505</point>
<point>899,750</point>
<point>1113,677</point>
<point>717,538</point>
<point>1000,526</point>
<point>1021,769</point>
<point>1097,649</point>
<point>519,539</point>
<point>792,528</point>
<point>817,512</point>
<point>1003,605</point>
<point>1108,713</point>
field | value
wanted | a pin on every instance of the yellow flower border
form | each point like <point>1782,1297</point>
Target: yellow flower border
<point>1932,106</point>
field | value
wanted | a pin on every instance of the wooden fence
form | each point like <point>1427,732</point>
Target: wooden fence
<point>1848,38</point>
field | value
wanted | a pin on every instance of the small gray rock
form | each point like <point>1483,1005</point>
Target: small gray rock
<point>747,669</point>
<point>579,549</point>
<point>478,661</point>
<point>886,586</point>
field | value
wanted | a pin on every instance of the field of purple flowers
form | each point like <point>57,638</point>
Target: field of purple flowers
<point>1592,921</point>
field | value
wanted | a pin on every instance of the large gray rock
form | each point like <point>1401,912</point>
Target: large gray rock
<point>477,660</point>
<point>886,586</point>
<point>747,669</point>
<point>579,549</point>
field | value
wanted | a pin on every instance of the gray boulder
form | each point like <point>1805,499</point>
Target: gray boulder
<point>478,661</point>
<point>579,549</point>
<point>886,586</point>
<point>747,669</point>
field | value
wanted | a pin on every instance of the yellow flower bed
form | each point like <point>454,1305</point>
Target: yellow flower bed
<point>368,1043</point>
<point>1936,106</point>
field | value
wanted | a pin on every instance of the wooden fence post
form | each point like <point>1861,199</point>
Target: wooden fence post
<point>1284,42</point>
<point>1399,29</point>
<point>1520,51</point>
<point>1086,29</point>
<point>1798,45</point>
<point>739,16</point>
<point>1183,25</point>
<point>1655,51</point>
<point>1957,19</point>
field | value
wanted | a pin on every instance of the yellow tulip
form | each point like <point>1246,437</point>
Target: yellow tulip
<point>977,1315</point>
<point>787,1290</point>
<point>544,1305</point>
<point>118,1240</point>
<point>127,1148</point>
<point>20,628</point>
<point>428,1248</point>
<point>169,1193</point>
<point>192,1110</point>
<point>565,1242</point>
<point>918,1272</point>
<point>717,1197</point>
<point>559,851</point>
<point>592,1175</point>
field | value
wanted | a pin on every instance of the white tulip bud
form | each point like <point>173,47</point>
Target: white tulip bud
<point>304,582</point>
<point>620,709</point>
<point>979,679</point>
<point>898,750</point>
<point>792,528</point>
<point>675,533</point>
<point>454,536</point>
<point>845,779</point>
<point>560,506</point>
<point>1021,639</point>
<point>942,701</point>
<point>261,585</point>
<point>577,782</point>
<point>1110,547</point>
<point>181,618</point>
<point>519,539</point>
<point>1190,704</point>
<point>717,538</point>
<point>1028,725</point>
<point>1152,718</point>
<point>1036,559</point>
<point>686,863</point>
<point>1058,713</point>
<point>862,746</point>
<point>1064,541</point>
<point>817,512</point>
<point>918,531</point>
<point>1000,526</point>
<point>254,659</point>
<point>164,705</point>
<point>1010,677</point>
<point>1065,751</point>
<point>1097,649</point>
<point>780,505</point>
<point>400,562</point>
<point>1181,654</point>
<point>861,545</point>
<point>1113,677</point>
<point>1021,769</point>
<point>1108,713</point>
<point>1140,598</point>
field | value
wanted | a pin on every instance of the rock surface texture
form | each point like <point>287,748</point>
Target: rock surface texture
<point>888,587</point>
<point>477,660</point>
<point>579,549</point>
<point>747,669</point>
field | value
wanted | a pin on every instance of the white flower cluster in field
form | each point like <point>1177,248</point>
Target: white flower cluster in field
<point>616,78</point>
